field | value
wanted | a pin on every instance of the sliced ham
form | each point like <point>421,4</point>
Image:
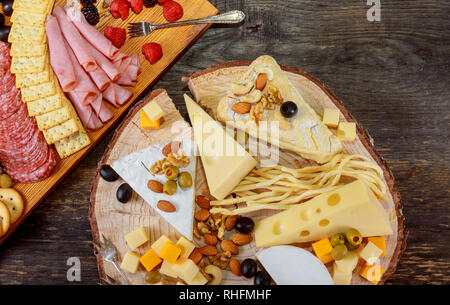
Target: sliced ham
<point>101,109</point>
<point>77,43</point>
<point>117,95</point>
<point>129,67</point>
<point>107,66</point>
<point>100,79</point>
<point>87,116</point>
<point>59,57</point>
<point>96,38</point>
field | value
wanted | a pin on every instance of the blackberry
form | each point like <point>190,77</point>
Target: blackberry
<point>90,12</point>
<point>86,2</point>
<point>150,3</point>
<point>2,19</point>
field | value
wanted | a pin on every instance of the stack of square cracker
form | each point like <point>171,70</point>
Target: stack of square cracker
<point>54,113</point>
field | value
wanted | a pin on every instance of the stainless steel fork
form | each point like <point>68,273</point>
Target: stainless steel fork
<point>145,28</point>
<point>109,254</point>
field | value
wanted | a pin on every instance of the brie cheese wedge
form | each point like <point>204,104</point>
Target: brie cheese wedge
<point>289,265</point>
<point>136,175</point>
<point>303,133</point>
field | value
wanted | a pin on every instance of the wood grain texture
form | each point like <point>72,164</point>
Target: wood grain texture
<point>392,75</point>
<point>175,42</point>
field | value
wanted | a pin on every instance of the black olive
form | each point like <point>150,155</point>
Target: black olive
<point>4,33</point>
<point>261,278</point>
<point>124,193</point>
<point>108,173</point>
<point>7,7</point>
<point>288,109</point>
<point>244,225</point>
<point>248,268</point>
<point>2,20</point>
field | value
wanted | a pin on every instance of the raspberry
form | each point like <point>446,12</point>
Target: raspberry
<point>90,12</point>
<point>120,9</point>
<point>152,51</point>
<point>162,1</point>
<point>136,5</point>
<point>116,35</point>
<point>172,10</point>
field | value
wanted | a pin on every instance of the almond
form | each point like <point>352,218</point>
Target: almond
<point>235,267</point>
<point>196,256</point>
<point>166,206</point>
<point>261,81</point>
<point>202,215</point>
<point>208,250</point>
<point>155,186</point>
<point>242,107</point>
<point>230,221</point>
<point>228,245</point>
<point>202,202</point>
<point>210,239</point>
<point>171,147</point>
<point>241,239</point>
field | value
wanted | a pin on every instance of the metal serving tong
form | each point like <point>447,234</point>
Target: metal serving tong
<point>109,254</point>
<point>145,28</point>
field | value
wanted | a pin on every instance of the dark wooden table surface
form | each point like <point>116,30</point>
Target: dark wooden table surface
<point>393,75</point>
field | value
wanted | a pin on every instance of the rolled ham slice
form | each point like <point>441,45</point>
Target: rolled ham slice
<point>100,79</point>
<point>87,116</point>
<point>129,67</point>
<point>91,34</point>
<point>85,85</point>
<point>77,43</point>
<point>117,95</point>
<point>59,56</point>
<point>107,66</point>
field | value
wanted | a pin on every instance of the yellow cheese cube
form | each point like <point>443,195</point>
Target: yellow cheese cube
<point>199,279</point>
<point>130,262</point>
<point>186,247</point>
<point>371,273</point>
<point>348,263</point>
<point>153,111</point>
<point>166,268</point>
<point>186,269</point>
<point>380,242</point>
<point>170,252</point>
<point>159,244</point>
<point>340,277</point>
<point>370,253</point>
<point>327,258</point>
<point>150,260</point>
<point>331,117</point>
<point>346,131</point>
<point>137,238</point>
<point>147,123</point>
<point>322,247</point>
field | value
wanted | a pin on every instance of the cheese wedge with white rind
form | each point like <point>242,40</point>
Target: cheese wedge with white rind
<point>304,133</point>
<point>224,160</point>
<point>289,265</point>
<point>131,170</point>
<point>350,206</point>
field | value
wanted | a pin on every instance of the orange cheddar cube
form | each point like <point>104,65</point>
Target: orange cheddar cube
<point>372,273</point>
<point>150,260</point>
<point>147,123</point>
<point>380,242</point>
<point>170,252</point>
<point>323,248</point>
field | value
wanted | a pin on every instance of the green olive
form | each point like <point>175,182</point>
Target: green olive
<point>5,181</point>
<point>339,252</point>
<point>153,277</point>
<point>354,238</point>
<point>338,239</point>
<point>171,172</point>
<point>185,180</point>
<point>170,187</point>
<point>350,247</point>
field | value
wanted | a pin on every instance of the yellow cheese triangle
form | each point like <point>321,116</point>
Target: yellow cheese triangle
<point>224,160</point>
<point>304,133</point>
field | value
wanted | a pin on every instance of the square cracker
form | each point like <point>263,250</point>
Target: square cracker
<point>46,104</point>
<point>27,34</point>
<point>53,118</point>
<point>40,91</point>
<point>28,49</point>
<point>61,131</point>
<point>31,79</point>
<point>36,6</point>
<point>28,18</point>
<point>28,64</point>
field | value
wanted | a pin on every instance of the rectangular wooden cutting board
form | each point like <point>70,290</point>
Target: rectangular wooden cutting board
<point>174,42</point>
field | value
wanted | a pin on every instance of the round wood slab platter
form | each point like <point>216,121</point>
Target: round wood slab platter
<point>115,220</point>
